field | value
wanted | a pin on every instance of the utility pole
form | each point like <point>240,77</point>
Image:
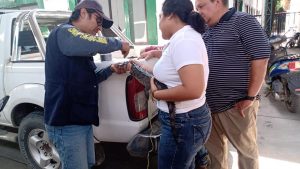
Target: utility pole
<point>269,15</point>
<point>237,4</point>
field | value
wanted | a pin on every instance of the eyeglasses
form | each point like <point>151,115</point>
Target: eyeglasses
<point>98,15</point>
<point>99,19</point>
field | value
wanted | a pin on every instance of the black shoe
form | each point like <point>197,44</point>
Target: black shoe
<point>205,164</point>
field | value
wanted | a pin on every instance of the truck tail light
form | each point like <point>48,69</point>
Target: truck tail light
<point>136,99</point>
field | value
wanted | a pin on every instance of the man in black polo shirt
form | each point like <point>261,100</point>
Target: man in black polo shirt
<point>238,53</point>
<point>71,97</point>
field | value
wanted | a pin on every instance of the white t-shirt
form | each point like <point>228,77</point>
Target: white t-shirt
<point>185,47</point>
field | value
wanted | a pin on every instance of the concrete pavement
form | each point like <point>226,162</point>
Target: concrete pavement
<point>10,156</point>
<point>278,136</point>
<point>278,140</point>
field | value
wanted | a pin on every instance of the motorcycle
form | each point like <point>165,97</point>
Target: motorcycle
<point>283,74</point>
<point>294,41</point>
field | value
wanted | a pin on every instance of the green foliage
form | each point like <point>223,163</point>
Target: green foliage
<point>278,7</point>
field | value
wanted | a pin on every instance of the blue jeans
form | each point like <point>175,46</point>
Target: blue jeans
<point>192,131</point>
<point>74,144</point>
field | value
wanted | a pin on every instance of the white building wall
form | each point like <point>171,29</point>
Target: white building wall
<point>140,24</point>
<point>117,13</point>
<point>230,3</point>
<point>161,41</point>
<point>294,6</point>
<point>256,5</point>
<point>56,5</point>
<point>294,20</point>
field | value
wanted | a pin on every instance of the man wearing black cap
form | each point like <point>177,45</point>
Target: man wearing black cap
<point>71,97</point>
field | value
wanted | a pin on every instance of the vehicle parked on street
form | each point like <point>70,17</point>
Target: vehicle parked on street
<point>283,75</point>
<point>294,41</point>
<point>124,108</point>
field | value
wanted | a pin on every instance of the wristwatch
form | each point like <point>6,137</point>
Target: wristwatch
<point>250,98</point>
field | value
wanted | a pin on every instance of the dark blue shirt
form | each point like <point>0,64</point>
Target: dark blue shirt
<point>231,46</point>
<point>71,86</point>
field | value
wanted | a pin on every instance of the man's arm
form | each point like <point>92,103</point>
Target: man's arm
<point>256,44</point>
<point>119,68</point>
<point>72,42</point>
<point>257,75</point>
<point>103,74</point>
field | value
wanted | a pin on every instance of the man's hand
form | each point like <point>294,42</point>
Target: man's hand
<point>243,105</point>
<point>120,68</point>
<point>125,48</point>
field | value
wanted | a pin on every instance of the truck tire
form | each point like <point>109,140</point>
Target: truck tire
<point>34,144</point>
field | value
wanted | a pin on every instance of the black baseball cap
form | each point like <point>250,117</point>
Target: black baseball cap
<point>94,4</point>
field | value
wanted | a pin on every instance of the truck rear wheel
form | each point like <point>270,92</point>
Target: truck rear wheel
<point>34,144</point>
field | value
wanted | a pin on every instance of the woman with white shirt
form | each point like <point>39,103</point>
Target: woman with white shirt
<point>183,68</point>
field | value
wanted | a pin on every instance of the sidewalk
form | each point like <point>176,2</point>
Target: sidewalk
<point>278,137</point>
<point>278,134</point>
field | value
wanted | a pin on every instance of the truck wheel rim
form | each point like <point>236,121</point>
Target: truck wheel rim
<point>42,151</point>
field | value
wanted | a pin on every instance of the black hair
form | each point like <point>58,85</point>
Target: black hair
<point>185,11</point>
<point>76,13</point>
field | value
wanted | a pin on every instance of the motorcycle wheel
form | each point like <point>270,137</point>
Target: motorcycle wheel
<point>293,102</point>
<point>290,44</point>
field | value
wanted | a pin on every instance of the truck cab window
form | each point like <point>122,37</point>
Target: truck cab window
<point>27,46</point>
<point>27,43</point>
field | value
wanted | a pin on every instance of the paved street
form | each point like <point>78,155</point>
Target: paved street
<point>278,134</point>
<point>10,157</point>
<point>278,137</point>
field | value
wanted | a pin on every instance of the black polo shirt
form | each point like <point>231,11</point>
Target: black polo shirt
<point>231,45</point>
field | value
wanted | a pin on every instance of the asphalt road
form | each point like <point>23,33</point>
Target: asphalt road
<point>116,157</point>
<point>10,157</point>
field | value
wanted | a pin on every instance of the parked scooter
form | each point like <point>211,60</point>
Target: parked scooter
<point>294,41</point>
<point>283,75</point>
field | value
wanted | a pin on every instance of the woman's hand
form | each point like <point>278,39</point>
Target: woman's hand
<point>146,67</point>
<point>153,87</point>
<point>150,54</point>
<point>148,48</point>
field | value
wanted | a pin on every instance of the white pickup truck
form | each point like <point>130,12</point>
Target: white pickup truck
<point>124,108</point>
